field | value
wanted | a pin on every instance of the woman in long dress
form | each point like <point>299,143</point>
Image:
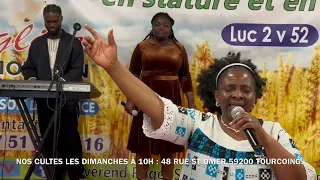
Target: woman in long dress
<point>161,62</point>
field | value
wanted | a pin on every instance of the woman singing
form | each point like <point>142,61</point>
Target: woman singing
<point>215,135</point>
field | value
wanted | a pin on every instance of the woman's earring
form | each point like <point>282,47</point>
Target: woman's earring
<point>217,104</point>
<point>253,105</point>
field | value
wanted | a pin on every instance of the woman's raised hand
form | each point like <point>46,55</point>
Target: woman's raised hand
<point>102,52</point>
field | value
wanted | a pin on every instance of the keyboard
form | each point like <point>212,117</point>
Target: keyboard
<point>39,89</point>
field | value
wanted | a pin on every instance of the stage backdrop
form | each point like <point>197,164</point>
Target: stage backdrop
<point>281,37</point>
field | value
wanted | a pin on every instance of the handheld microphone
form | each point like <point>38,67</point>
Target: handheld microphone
<point>133,112</point>
<point>248,132</point>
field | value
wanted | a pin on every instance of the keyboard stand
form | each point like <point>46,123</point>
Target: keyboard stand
<point>21,89</point>
<point>35,138</point>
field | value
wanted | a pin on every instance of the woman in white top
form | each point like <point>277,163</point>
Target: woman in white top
<point>217,148</point>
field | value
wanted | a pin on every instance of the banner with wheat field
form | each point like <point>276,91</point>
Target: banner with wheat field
<point>281,37</point>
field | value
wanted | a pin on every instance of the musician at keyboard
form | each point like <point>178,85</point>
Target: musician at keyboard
<point>44,54</point>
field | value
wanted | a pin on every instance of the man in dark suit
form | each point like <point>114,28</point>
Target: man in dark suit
<point>45,53</point>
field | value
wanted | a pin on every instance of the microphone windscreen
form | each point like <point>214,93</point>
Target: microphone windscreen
<point>76,26</point>
<point>235,111</point>
<point>134,112</point>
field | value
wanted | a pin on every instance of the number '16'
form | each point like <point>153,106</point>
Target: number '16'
<point>98,145</point>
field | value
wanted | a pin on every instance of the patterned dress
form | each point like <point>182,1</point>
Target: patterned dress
<point>212,154</point>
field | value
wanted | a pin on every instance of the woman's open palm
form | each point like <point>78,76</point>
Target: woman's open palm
<point>103,53</point>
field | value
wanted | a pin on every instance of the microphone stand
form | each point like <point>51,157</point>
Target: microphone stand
<point>58,81</point>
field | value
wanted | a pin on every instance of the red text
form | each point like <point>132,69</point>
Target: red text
<point>7,41</point>
<point>7,168</point>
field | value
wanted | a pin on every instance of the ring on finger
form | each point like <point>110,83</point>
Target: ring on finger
<point>90,40</point>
